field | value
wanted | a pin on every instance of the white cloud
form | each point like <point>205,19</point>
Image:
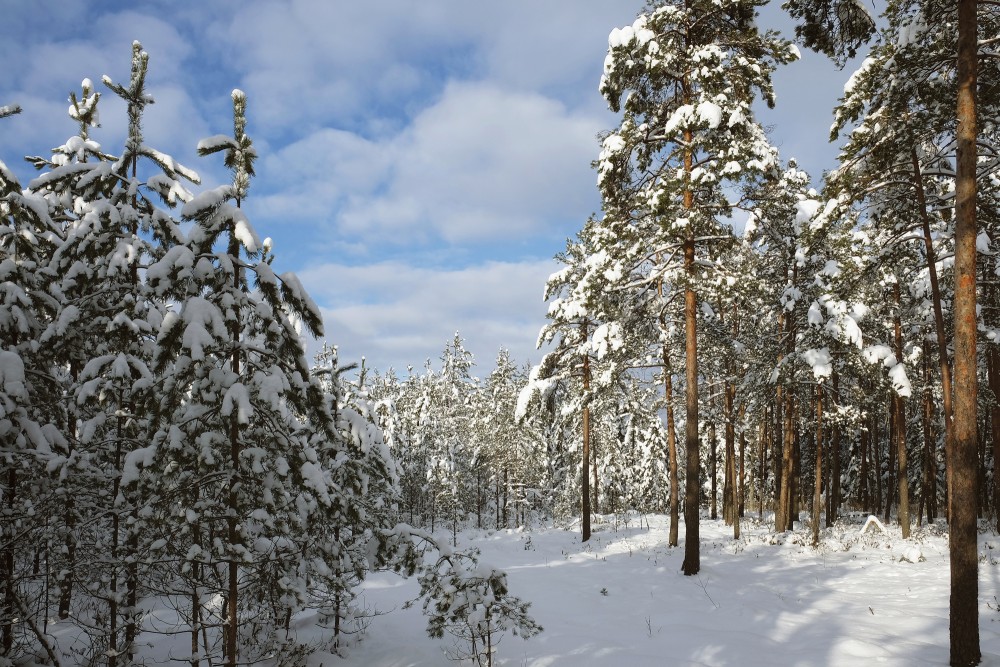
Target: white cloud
<point>355,63</point>
<point>396,314</point>
<point>482,164</point>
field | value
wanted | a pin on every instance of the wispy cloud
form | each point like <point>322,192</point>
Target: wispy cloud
<point>388,310</point>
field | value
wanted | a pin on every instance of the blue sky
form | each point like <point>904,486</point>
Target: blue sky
<point>420,162</point>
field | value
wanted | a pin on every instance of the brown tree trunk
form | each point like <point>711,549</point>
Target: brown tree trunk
<point>668,393</point>
<point>786,520</point>
<point>834,462</point>
<point>993,371</point>
<point>863,490</point>
<point>900,420</point>
<point>741,479</point>
<point>692,547</point>
<point>713,467</point>
<point>890,469</point>
<point>929,496</point>
<point>964,602</point>
<point>763,446</point>
<point>818,486</point>
<point>942,342</point>
<point>586,444</point>
<point>595,490</point>
<point>692,486</point>
<point>778,452</point>
<point>730,507</point>
<point>904,483</point>
<point>876,432</point>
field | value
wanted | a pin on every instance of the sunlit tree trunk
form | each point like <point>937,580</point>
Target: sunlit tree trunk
<point>692,547</point>
<point>964,602</point>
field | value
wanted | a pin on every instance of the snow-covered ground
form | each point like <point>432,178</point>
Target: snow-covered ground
<point>762,600</point>
<point>620,600</point>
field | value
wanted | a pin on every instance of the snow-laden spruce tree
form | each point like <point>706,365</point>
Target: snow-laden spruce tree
<point>102,340</point>
<point>508,463</point>
<point>29,410</point>
<point>579,302</point>
<point>366,480</point>
<point>239,470</point>
<point>449,438</point>
<point>685,77</point>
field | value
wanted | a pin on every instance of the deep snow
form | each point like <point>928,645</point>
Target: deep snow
<point>620,600</point>
<point>762,600</point>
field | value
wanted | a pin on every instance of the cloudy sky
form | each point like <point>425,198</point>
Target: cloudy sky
<point>420,162</point>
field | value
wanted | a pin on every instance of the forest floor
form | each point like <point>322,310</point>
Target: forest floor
<point>765,599</point>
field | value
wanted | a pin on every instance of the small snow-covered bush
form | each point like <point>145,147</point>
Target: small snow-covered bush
<point>470,601</point>
<point>463,597</point>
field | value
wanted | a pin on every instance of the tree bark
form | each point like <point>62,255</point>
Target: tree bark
<point>964,601</point>
<point>692,485</point>
<point>692,548</point>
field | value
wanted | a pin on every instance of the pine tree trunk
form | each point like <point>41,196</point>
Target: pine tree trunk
<point>834,461</point>
<point>863,486</point>
<point>964,602</point>
<point>778,452</point>
<point>981,468</point>
<point>890,487</point>
<point>929,496</point>
<point>993,371</point>
<point>586,445</point>
<point>818,486</point>
<point>668,395</point>
<point>900,433</point>
<point>730,508</point>
<point>797,486</point>
<point>741,479</point>
<point>595,500</point>
<point>785,502</point>
<point>713,467</point>
<point>692,547</point>
<point>763,443</point>
<point>876,431</point>
<point>942,342</point>
<point>731,465</point>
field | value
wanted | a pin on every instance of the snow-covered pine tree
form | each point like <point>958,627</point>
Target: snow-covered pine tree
<point>239,466</point>
<point>363,471</point>
<point>28,417</point>
<point>685,77</point>
<point>576,302</point>
<point>451,455</point>
<point>102,340</point>
<point>508,455</point>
